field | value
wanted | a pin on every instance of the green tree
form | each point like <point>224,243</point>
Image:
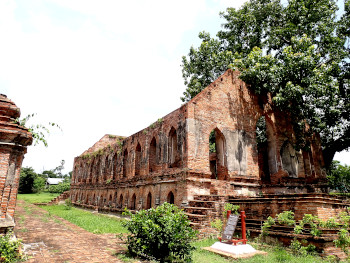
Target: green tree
<point>26,180</point>
<point>339,177</point>
<point>298,52</point>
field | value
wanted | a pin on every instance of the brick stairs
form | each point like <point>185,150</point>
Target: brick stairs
<point>62,197</point>
<point>203,210</point>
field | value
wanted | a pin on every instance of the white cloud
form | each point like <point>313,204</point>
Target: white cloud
<point>97,67</point>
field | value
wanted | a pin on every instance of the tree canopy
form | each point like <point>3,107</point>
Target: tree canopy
<point>296,51</point>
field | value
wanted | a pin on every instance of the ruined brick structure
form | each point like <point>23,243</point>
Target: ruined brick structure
<point>14,140</point>
<point>170,160</point>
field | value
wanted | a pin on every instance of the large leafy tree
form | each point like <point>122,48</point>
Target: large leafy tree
<point>297,51</point>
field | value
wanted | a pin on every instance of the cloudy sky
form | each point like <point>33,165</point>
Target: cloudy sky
<point>98,67</point>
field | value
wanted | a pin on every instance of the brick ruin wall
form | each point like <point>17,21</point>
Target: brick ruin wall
<point>170,159</point>
<point>13,142</point>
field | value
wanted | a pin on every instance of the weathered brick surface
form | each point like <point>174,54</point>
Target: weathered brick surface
<point>13,142</point>
<point>171,156</point>
<point>170,161</point>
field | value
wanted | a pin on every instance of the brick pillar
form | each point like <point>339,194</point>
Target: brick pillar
<point>14,140</point>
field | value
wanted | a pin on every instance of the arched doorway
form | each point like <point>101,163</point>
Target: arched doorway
<point>152,155</point>
<point>171,198</point>
<point>217,155</point>
<point>149,201</point>
<point>137,159</point>
<point>133,202</point>
<point>172,149</point>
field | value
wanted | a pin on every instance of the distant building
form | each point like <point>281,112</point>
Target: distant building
<point>53,181</point>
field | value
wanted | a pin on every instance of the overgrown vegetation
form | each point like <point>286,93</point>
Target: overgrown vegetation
<point>9,248</point>
<point>313,225</point>
<point>162,233</point>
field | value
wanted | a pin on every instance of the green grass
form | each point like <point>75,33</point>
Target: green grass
<point>94,223</point>
<point>275,254</point>
<point>37,197</point>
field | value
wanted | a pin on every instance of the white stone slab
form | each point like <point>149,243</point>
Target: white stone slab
<point>234,249</point>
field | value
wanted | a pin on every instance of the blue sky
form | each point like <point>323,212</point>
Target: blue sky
<point>97,67</point>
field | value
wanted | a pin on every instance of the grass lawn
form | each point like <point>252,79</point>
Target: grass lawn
<point>94,223</point>
<point>43,197</point>
<point>275,254</point>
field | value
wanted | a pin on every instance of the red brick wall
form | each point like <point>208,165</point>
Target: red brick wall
<point>142,163</point>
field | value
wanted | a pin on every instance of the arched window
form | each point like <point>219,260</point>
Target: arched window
<point>171,198</point>
<point>149,201</point>
<point>115,165</point>
<point>290,162</point>
<point>110,200</point>
<point>137,159</point>
<point>217,155</point>
<point>105,170</point>
<point>121,201</point>
<point>125,162</point>
<point>266,144</point>
<point>152,155</point>
<point>133,202</point>
<point>102,200</point>
<point>172,149</point>
<point>94,200</point>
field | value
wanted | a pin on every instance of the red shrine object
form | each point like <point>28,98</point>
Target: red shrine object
<point>242,240</point>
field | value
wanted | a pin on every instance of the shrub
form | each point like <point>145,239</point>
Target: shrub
<point>161,233</point>
<point>60,188</point>
<point>9,248</point>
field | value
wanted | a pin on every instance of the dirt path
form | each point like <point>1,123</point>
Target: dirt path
<point>52,239</point>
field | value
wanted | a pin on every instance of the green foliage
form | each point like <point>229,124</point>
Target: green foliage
<point>26,180</point>
<point>9,248</point>
<point>217,224</point>
<point>296,51</point>
<point>343,240</point>
<point>339,177</point>
<point>39,131</point>
<point>60,188</point>
<point>68,204</point>
<point>39,184</point>
<point>267,225</point>
<point>302,248</point>
<point>230,207</point>
<point>286,218</point>
<point>212,141</point>
<point>161,233</point>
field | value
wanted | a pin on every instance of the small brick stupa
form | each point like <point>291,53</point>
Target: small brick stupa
<point>14,140</point>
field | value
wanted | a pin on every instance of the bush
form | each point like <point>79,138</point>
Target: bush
<point>161,233</point>
<point>9,248</point>
<point>60,188</point>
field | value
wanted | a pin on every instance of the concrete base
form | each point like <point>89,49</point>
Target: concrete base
<point>232,251</point>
